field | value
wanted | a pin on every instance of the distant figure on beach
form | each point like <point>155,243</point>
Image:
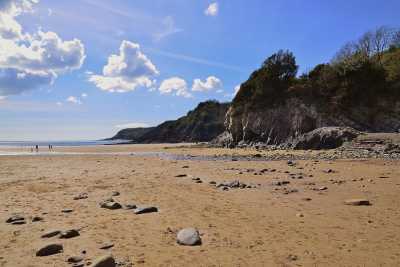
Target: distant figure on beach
<point>37,148</point>
<point>31,149</point>
<point>49,147</point>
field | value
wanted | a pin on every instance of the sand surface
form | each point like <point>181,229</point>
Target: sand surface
<point>264,226</point>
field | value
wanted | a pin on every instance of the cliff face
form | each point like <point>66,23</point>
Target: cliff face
<point>131,134</point>
<point>202,124</point>
<point>295,117</point>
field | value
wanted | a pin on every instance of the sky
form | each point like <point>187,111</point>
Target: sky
<point>83,69</point>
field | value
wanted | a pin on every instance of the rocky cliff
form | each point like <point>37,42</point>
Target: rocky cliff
<point>202,124</point>
<point>274,106</point>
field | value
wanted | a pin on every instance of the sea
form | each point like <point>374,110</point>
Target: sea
<point>59,143</point>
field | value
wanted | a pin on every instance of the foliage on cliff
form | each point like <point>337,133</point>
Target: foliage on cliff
<point>361,73</point>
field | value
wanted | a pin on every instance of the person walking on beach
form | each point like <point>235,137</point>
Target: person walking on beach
<point>37,148</point>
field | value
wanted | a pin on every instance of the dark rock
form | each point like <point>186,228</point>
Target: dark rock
<point>212,183</point>
<point>15,218</point>
<point>74,259</point>
<point>81,196</point>
<point>130,206</point>
<point>325,138</point>
<point>106,246</point>
<point>189,237</point>
<point>115,193</point>
<point>51,233</point>
<point>67,210</point>
<point>110,204</point>
<point>181,175</point>
<point>37,219</point>
<point>105,261</point>
<point>18,222</point>
<point>357,202</point>
<point>145,209</point>
<point>69,234</point>
<point>49,249</point>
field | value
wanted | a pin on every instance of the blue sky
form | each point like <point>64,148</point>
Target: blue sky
<point>168,56</point>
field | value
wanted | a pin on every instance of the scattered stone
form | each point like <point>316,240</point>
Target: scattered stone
<point>189,237</point>
<point>130,206</point>
<point>307,199</point>
<point>279,183</point>
<point>110,204</point>
<point>185,167</point>
<point>67,210</point>
<point>106,245</point>
<point>69,234</point>
<point>291,163</point>
<point>49,249</point>
<point>81,196</point>
<point>292,257</point>
<point>357,202</point>
<point>300,215</point>
<point>115,193</point>
<point>37,219</point>
<point>15,218</point>
<point>212,182</point>
<point>181,175</point>
<point>196,179</point>
<point>105,261</point>
<point>145,209</point>
<point>74,259</point>
<point>51,233</point>
<point>323,188</point>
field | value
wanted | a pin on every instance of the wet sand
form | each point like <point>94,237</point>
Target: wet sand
<point>265,226</point>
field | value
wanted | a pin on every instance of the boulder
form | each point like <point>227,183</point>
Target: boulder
<point>49,249</point>
<point>51,233</point>
<point>188,237</point>
<point>105,261</point>
<point>324,138</point>
<point>69,234</point>
<point>110,204</point>
<point>15,218</point>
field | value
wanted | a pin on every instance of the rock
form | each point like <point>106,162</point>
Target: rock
<point>130,206</point>
<point>115,193</point>
<point>18,222</point>
<point>69,234</point>
<point>49,249</point>
<point>357,202</point>
<point>81,196</point>
<point>145,209</point>
<point>181,175</point>
<point>300,215</point>
<point>325,138</point>
<point>74,259</point>
<point>323,188</point>
<point>37,219</point>
<point>188,237</point>
<point>106,245</point>
<point>67,210</point>
<point>51,233</point>
<point>105,261</point>
<point>15,218</point>
<point>280,183</point>
<point>212,182</point>
<point>110,204</point>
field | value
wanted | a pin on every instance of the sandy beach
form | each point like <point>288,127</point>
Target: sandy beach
<point>293,214</point>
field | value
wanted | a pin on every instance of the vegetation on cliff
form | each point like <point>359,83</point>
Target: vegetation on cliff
<point>360,73</point>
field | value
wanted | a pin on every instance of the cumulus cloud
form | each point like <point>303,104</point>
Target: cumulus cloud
<point>212,9</point>
<point>126,71</point>
<point>132,125</point>
<point>211,83</point>
<point>175,86</point>
<point>28,61</point>
<point>84,95</point>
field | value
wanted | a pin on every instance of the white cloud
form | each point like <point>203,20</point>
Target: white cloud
<point>59,104</point>
<point>212,9</point>
<point>176,86</point>
<point>132,125</point>
<point>28,61</point>
<point>211,83</point>
<point>73,100</point>
<point>84,95</point>
<point>126,71</point>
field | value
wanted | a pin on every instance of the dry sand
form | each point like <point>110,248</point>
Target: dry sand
<point>239,227</point>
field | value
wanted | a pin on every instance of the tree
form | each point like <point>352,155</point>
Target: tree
<point>281,66</point>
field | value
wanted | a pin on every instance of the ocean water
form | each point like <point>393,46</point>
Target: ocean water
<point>58,143</point>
